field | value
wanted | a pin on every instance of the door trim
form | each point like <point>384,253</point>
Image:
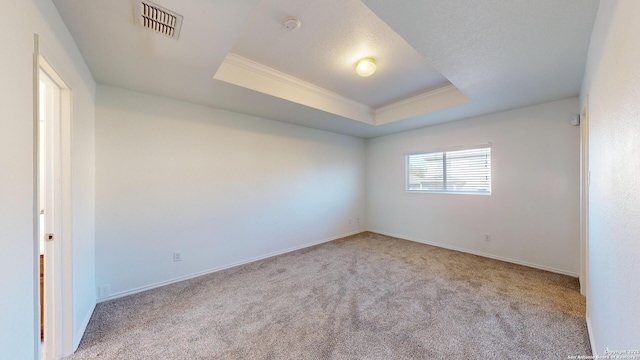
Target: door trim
<point>584,198</point>
<point>59,330</point>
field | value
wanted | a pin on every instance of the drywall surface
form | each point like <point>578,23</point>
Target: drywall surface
<point>532,214</point>
<point>19,333</point>
<point>219,187</point>
<point>612,82</point>
<point>83,195</point>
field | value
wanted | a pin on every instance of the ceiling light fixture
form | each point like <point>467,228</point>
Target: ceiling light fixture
<point>366,67</point>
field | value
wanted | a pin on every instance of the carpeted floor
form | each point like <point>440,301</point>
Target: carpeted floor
<point>367,296</point>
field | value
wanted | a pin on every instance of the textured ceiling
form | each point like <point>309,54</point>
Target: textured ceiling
<point>326,55</point>
<point>501,54</point>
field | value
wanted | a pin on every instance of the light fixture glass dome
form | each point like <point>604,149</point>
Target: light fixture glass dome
<point>366,67</point>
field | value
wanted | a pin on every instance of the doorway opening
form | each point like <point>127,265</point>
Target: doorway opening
<point>52,211</point>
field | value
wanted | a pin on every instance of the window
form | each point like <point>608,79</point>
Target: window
<point>465,171</point>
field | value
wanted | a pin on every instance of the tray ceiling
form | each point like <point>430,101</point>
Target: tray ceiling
<point>437,60</point>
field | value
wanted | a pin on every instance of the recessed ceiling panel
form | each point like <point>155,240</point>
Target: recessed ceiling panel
<point>322,51</point>
<point>502,54</point>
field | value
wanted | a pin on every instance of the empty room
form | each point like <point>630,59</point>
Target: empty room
<point>339,179</point>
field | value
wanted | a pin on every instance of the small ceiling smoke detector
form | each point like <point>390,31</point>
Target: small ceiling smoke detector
<point>291,23</point>
<point>366,67</point>
<point>157,18</point>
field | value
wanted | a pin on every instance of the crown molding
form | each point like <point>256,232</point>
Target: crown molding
<point>247,73</point>
<point>430,101</point>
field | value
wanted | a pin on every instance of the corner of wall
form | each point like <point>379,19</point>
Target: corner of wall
<point>79,332</point>
<point>591,339</point>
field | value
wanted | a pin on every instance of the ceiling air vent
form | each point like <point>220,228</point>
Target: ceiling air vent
<point>157,18</point>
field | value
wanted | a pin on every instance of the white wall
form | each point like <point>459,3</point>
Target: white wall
<point>218,186</point>
<point>532,214</point>
<point>612,82</point>
<point>19,333</point>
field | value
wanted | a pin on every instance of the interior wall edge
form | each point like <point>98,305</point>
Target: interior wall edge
<point>83,327</point>
<point>478,253</point>
<point>591,338</point>
<point>224,267</point>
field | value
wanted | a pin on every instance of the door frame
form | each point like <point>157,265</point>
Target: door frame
<point>58,301</point>
<point>585,179</point>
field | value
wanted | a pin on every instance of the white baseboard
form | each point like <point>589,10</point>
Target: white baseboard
<point>591,339</point>
<point>83,328</point>
<point>191,276</point>
<point>479,253</point>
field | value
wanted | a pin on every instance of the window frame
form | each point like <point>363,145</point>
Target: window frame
<point>444,151</point>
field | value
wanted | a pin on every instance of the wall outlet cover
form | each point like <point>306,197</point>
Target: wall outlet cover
<point>103,291</point>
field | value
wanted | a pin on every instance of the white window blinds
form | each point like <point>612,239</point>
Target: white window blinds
<point>465,171</point>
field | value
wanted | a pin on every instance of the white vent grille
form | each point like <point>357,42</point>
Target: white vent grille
<point>158,19</point>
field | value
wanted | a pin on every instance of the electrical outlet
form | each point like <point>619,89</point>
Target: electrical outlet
<point>487,237</point>
<point>103,291</point>
<point>177,256</point>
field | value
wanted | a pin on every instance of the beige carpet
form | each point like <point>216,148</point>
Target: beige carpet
<point>367,296</point>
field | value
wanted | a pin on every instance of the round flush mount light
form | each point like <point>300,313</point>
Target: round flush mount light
<point>291,23</point>
<point>366,67</point>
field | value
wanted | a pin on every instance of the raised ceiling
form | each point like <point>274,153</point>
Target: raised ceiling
<point>314,65</point>
<point>326,55</point>
<point>437,60</point>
